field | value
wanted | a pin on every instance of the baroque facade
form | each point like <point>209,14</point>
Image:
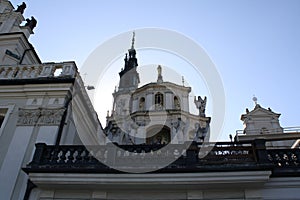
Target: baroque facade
<point>52,145</point>
<point>155,113</point>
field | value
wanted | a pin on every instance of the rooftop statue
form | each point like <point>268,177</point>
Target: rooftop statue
<point>31,23</point>
<point>201,104</point>
<point>21,8</point>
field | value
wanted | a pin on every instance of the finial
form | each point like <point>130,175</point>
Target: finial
<point>182,79</point>
<point>254,99</point>
<point>132,43</point>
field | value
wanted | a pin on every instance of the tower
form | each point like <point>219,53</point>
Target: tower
<point>155,113</point>
<point>129,78</point>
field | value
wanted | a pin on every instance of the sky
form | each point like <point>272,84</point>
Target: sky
<point>255,45</point>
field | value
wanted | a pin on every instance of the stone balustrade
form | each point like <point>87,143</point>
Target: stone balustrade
<point>45,70</point>
<point>224,156</point>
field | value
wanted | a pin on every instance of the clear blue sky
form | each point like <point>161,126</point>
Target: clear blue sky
<point>254,44</point>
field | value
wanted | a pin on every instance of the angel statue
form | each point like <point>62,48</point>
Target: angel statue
<point>201,105</point>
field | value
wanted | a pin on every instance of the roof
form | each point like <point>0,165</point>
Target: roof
<point>259,111</point>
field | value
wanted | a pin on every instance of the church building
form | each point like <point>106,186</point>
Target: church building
<point>53,146</point>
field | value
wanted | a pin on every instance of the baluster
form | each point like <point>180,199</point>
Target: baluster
<point>278,160</point>
<point>85,156</point>
<point>70,157</point>
<point>19,73</point>
<point>294,159</point>
<point>79,158</point>
<point>62,156</point>
<point>91,156</point>
<point>54,156</point>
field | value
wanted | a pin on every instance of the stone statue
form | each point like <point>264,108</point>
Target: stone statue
<point>201,105</point>
<point>31,23</point>
<point>120,107</point>
<point>178,128</point>
<point>159,76</point>
<point>112,133</point>
<point>21,8</point>
<point>200,132</point>
<point>176,103</point>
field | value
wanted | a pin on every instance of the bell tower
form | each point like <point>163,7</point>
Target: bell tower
<point>129,78</point>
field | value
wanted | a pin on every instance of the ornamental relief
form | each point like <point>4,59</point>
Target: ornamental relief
<point>28,117</point>
<point>41,117</point>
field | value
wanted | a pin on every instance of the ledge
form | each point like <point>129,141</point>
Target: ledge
<point>190,180</point>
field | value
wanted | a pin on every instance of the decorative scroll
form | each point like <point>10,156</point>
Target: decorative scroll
<point>41,117</point>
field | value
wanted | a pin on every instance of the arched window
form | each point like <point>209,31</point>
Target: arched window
<point>176,103</point>
<point>158,135</point>
<point>142,104</point>
<point>159,101</point>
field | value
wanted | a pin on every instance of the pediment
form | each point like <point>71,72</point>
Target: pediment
<point>258,111</point>
<point>261,111</point>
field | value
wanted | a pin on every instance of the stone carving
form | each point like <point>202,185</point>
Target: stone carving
<point>11,73</point>
<point>35,72</point>
<point>21,8</point>
<point>200,131</point>
<point>46,117</point>
<point>51,116</point>
<point>112,133</point>
<point>201,105</point>
<point>19,73</point>
<point>3,72</point>
<point>178,128</point>
<point>142,104</point>
<point>26,72</point>
<point>31,23</point>
<point>120,107</point>
<point>28,117</point>
<point>177,104</point>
